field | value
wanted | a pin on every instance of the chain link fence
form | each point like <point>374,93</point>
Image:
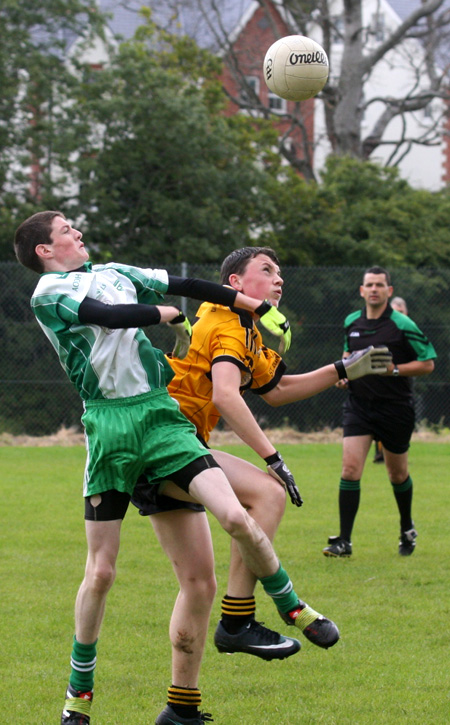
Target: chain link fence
<point>37,399</point>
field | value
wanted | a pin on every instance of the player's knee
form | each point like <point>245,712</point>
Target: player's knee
<point>200,585</point>
<point>206,589</point>
<point>100,577</point>
<point>277,501</point>
<point>351,471</point>
<point>236,522</point>
<point>210,588</point>
<point>397,477</point>
<point>268,500</point>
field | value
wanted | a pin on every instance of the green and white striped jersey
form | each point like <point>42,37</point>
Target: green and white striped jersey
<point>100,362</point>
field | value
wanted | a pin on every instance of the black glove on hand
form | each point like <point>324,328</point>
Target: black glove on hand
<point>277,468</point>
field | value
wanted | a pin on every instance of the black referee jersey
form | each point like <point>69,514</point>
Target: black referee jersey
<point>403,338</point>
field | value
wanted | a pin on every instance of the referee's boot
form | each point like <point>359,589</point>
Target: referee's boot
<point>338,547</point>
<point>169,717</point>
<point>254,639</point>
<point>407,542</point>
<point>317,628</point>
<point>77,707</point>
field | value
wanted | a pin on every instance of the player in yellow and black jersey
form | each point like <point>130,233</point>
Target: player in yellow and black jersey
<point>227,357</point>
<point>222,334</point>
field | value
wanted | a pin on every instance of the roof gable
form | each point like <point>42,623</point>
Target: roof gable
<point>403,8</point>
<point>183,18</point>
<point>209,23</point>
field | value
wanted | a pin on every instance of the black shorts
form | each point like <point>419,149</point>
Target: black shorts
<point>109,506</point>
<point>391,422</point>
<point>112,505</point>
<point>147,499</point>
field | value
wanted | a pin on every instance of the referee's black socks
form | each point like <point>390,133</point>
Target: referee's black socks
<point>349,495</point>
<point>403,493</point>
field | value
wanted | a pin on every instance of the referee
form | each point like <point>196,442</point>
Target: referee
<point>380,407</point>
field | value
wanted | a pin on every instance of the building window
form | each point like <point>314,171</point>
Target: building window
<point>264,23</point>
<point>251,84</point>
<point>377,27</point>
<point>277,104</point>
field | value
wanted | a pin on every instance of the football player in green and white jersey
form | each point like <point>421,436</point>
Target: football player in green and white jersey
<point>92,316</point>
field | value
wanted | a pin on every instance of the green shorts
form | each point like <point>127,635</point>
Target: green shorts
<point>126,437</point>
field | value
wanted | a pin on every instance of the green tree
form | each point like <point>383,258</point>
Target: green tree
<point>164,174</point>
<point>361,214</point>
<point>35,82</point>
<point>158,172</point>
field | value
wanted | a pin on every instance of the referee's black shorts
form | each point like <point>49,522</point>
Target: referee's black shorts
<point>391,422</point>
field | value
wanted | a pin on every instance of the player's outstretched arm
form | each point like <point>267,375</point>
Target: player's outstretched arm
<point>138,315</point>
<point>290,388</point>
<point>94,312</point>
<point>201,289</point>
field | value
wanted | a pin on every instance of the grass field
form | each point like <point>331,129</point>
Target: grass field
<point>391,665</point>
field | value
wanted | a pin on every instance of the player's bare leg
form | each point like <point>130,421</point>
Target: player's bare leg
<point>211,488</point>
<point>354,453</point>
<point>103,538</point>
<point>238,630</point>
<point>185,538</point>
<point>264,499</point>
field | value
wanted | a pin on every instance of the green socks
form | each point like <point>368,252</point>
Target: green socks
<point>83,661</point>
<point>280,588</point>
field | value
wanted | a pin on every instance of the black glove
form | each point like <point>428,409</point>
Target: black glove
<point>277,468</point>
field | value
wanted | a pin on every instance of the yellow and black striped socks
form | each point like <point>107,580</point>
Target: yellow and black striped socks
<point>184,701</point>
<point>237,612</point>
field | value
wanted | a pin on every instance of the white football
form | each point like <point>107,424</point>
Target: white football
<point>296,68</point>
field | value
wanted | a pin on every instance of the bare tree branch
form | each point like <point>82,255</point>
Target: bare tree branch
<point>419,46</point>
<point>400,33</point>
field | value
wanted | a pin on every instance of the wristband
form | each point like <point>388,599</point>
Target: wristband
<point>179,318</point>
<point>341,371</point>
<point>263,308</point>
<point>273,458</point>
